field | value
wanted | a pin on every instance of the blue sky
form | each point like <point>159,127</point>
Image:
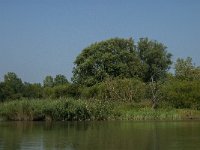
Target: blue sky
<point>43,37</point>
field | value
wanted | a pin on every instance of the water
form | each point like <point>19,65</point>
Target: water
<point>100,135</point>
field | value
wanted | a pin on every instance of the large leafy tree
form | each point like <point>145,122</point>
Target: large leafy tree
<point>155,58</point>
<point>111,58</point>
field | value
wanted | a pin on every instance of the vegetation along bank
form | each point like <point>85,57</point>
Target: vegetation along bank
<point>115,79</point>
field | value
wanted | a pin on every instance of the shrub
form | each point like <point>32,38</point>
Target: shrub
<point>48,92</point>
<point>91,92</point>
<point>73,90</point>
<point>127,90</point>
<point>182,93</point>
<point>60,91</point>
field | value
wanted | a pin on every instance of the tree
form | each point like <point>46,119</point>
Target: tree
<point>111,58</point>
<point>34,90</point>
<point>2,93</point>
<point>60,80</point>
<point>186,70</point>
<point>48,81</point>
<point>13,86</point>
<point>156,61</point>
<point>155,58</point>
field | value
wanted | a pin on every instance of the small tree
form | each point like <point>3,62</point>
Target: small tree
<point>34,90</point>
<point>154,87</point>
<point>60,80</point>
<point>48,81</point>
<point>186,70</point>
<point>156,61</point>
<point>12,86</point>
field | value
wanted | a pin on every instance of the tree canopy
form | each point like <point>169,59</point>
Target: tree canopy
<point>111,58</point>
<point>48,81</point>
<point>119,57</point>
<point>186,70</point>
<point>155,58</point>
<point>60,80</point>
<point>12,86</point>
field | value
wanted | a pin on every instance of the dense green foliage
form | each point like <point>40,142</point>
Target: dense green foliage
<point>111,58</point>
<point>60,80</point>
<point>106,73</point>
<point>121,58</point>
<point>34,90</point>
<point>182,93</point>
<point>124,90</point>
<point>186,70</point>
<point>48,81</point>
<point>12,87</point>
<point>155,59</point>
<point>60,110</point>
<point>79,110</point>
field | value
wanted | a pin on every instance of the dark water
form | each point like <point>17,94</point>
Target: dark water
<point>100,136</point>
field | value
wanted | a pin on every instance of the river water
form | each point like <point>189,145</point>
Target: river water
<point>114,135</point>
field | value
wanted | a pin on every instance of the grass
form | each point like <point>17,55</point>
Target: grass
<point>82,110</point>
<point>58,110</point>
<point>160,114</point>
<point>143,111</point>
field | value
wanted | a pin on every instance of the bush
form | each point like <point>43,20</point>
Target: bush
<point>48,92</point>
<point>182,93</point>
<point>92,92</point>
<point>126,90</point>
<point>60,91</point>
<point>73,90</point>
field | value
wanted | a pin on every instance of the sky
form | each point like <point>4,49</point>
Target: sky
<point>43,37</point>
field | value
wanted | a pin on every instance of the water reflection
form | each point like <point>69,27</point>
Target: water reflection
<point>99,135</point>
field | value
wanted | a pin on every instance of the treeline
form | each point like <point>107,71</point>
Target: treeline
<point>118,70</point>
<point>14,88</point>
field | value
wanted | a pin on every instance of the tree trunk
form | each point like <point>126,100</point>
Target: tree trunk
<point>154,91</point>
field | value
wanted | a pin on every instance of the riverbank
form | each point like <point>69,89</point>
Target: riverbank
<point>80,110</point>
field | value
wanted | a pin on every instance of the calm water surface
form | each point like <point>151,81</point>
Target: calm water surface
<point>100,135</point>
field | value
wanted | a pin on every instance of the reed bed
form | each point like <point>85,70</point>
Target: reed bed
<point>88,110</point>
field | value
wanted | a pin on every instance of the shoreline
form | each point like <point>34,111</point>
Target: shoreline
<point>88,121</point>
<point>136,118</point>
<point>83,110</point>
